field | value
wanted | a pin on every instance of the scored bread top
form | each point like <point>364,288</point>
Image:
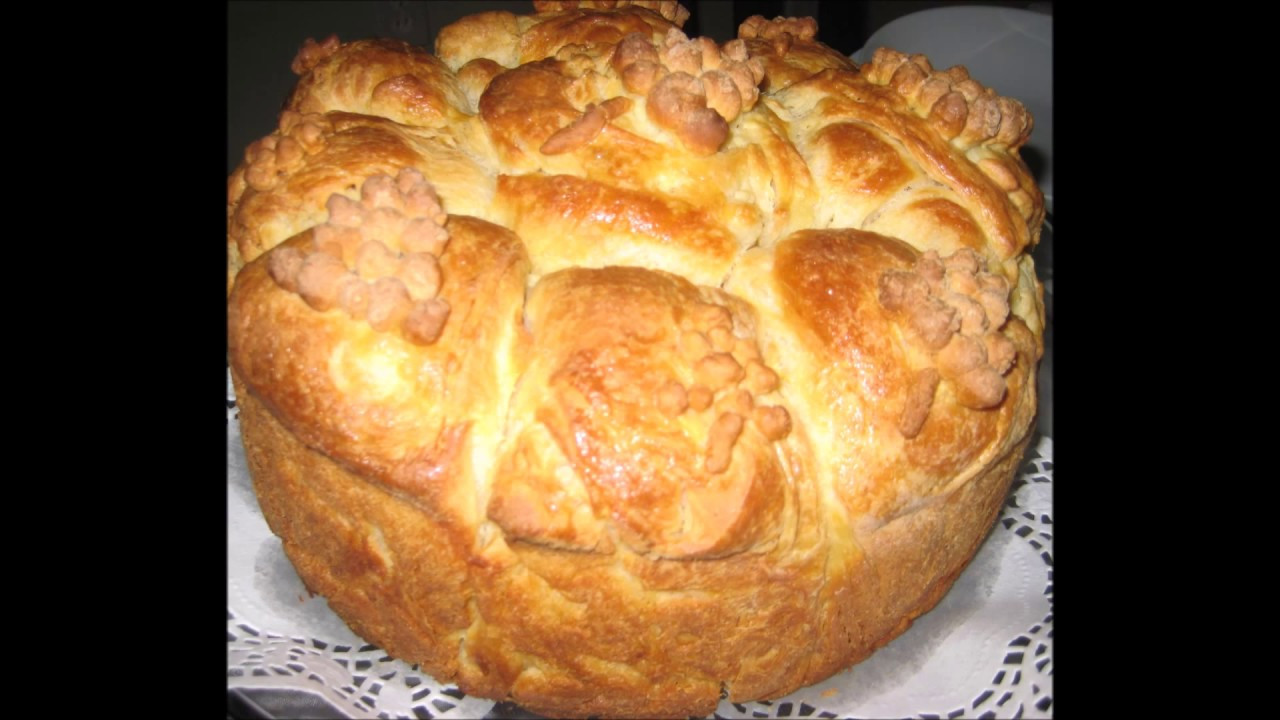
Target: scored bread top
<point>595,295</point>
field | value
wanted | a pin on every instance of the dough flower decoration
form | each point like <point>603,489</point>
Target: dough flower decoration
<point>728,376</point>
<point>956,105</point>
<point>955,310</point>
<point>693,87</point>
<point>781,31</point>
<point>377,259</point>
<point>282,152</point>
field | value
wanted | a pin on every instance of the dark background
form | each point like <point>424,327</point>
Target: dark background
<point>264,37</point>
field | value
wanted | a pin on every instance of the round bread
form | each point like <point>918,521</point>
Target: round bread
<point>614,372</point>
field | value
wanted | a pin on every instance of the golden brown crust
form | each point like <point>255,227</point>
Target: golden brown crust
<point>569,221</point>
<point>511,40</point>
<point>614,339</point>
<point>860,343</point>
<point>386,78</point>
<point>892,173</point>
<point>349,149</point>
<point>669,9</point>
<point>374,399</point>
<point>589,341</point>
<point>972,117</point>
<point>313,53</point>
<point>788,49</point>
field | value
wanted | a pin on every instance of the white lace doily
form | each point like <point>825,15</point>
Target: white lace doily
<point>985,651</point>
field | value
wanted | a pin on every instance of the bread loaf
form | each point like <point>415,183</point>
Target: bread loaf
<point>613,372</point>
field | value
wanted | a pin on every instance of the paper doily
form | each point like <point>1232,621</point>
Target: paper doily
<point>985,651</point>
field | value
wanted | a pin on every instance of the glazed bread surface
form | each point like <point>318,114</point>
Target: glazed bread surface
<point>614,372</point>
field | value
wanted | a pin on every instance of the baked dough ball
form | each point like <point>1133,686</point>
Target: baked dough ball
<point>612,371</point>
